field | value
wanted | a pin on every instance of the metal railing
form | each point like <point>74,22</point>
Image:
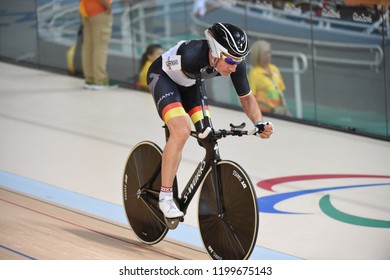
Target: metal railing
<point>298,67</point>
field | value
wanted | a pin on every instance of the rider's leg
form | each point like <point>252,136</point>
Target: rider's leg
<point>179,131</point>
<point>168,98</point>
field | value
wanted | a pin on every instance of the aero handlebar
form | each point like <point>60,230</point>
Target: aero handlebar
<point>235,130</point>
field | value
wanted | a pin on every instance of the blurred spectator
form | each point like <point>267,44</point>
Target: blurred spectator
<point>97,28</point>
<point>265,80</point>
<point>199,8</point>
<point>152,52</point>
<point>73,55</point>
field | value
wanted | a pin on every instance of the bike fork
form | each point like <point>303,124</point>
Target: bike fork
<point>218,190</point>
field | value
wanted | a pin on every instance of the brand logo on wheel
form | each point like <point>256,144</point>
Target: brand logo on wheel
<point>125,188</point>
<point>213,253</point>
<point>240,179</point>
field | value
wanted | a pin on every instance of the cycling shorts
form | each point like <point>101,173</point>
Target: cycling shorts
<point>171,99</point>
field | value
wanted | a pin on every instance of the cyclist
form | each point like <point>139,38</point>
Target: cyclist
<point>172,82</point>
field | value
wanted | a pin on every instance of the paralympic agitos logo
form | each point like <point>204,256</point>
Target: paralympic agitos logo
<point>267,203</point>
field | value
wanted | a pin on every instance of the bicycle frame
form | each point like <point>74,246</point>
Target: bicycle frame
<point>210,160</point>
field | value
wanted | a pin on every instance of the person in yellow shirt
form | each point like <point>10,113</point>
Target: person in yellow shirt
<point>97,28</point>
<point>151,53</point>
<point>266,81</point>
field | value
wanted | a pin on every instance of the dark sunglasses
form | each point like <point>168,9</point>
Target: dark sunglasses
<point>230,60</point>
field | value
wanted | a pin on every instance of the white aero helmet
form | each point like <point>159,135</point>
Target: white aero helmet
<point>227,38</point>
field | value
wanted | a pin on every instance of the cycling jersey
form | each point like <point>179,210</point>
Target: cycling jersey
<point>171,79</point>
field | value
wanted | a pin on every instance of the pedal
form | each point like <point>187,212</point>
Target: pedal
<point>172,223</point>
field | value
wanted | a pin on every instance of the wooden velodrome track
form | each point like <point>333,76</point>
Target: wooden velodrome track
<point>36,229</point>
<point>62,153</point>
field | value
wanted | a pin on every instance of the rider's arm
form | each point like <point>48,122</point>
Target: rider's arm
<point>248,101</point>
<point>250,107</point>
<point>253,112</point>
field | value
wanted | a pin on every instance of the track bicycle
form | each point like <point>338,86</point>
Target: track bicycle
<point>227,207</point>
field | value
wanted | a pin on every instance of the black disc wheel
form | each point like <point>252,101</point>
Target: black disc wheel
<point>141,188</point>
<point>229,234</point>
